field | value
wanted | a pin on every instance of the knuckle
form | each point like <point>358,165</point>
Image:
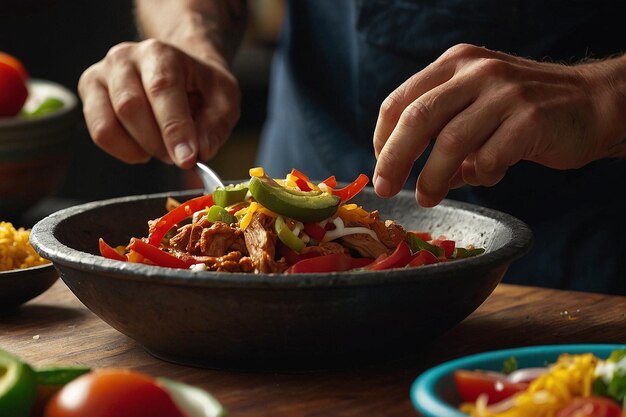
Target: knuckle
<point>127,103</point>
<point>161,81</point>
<point>488,163</point>
<point>390,161</point>
<point>461,51</point>
<point>389,108</point>
<point>491,68</point>
<point>99,130</point>
<point>415,114</point>
<point>450,142</point>
<point>173,129</point>
<point>120,52</point>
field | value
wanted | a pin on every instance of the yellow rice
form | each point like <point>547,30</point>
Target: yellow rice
<point>15,250</point>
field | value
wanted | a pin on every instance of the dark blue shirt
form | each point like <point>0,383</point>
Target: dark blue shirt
<point>339,59</point>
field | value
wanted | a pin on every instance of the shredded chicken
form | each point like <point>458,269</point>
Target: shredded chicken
<point>261,243</point>
<point>208,239</point>
<point>389,233</point>
<point>365,245</point>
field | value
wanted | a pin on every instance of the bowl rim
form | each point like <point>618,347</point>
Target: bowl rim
<point>70,107</point>
<point>42,238</point>
<point>423,390</point>
<point>25,271</point>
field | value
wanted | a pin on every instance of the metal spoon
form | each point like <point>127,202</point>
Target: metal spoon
<point>209,178</point>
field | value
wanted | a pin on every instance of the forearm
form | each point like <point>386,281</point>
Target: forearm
<point>607,81</point>
<point>206,29</point>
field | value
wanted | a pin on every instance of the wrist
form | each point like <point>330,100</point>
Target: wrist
<point>607,85</point>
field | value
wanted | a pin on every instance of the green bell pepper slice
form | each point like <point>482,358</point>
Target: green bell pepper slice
<point>416,244</point>
<point>287,236</point>
<point>305,206</point>
<point>18,386</point>
<point>217,213</point>
<point>229,195</point>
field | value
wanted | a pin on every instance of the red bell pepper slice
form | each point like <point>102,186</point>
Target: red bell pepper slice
<point>398,259</point>
<point>334,262</point>
<point>161,226</point>
<point>425,236</point>
<point>314,230</point>
<point>423,257</point>
<point>303,185</point>
<point>109,252</point>
<point>156,255</point>
<point>331,181</point>
<point>291,256</point>
<point>299,175</point>
<point>360,262</point>
<point>446,245</point>
<point>349,191</point>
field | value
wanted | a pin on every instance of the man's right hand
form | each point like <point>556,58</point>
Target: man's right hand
<point>151,99</point>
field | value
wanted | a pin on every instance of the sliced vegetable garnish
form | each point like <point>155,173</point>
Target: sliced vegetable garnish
<point>460,253</point>
<point>109,252</point>
<point>156,255</point>
<point>287,236</point>
<point>162,225</point>
<point>348,192</point>
<point>423,257</point>
<point>305,206</point>
<point>416,244</point>
<point>220,214</point>
<point>194,401</point>
<point>230,195</point>
<point>398,259</point>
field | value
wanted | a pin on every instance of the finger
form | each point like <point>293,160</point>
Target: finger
<point>465,133</point>
<point>421,120</point>
<point>395,104</point>
<point>507,146</point>
<point>104,128</point>
<point>133,110</point>
<point>163,80</point>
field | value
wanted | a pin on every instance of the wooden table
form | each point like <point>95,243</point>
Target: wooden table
<point>56,328</point>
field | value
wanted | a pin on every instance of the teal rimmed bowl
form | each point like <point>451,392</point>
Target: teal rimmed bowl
<point>433,393</point>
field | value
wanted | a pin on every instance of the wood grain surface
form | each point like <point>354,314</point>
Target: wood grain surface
<point>56,328</point>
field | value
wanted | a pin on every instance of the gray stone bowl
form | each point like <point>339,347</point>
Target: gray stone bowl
<point>18,286</point>
<point>279,322</point>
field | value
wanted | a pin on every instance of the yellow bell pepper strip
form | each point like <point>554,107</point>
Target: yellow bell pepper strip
<point>109,252</point>
<point>161,226</point>
<point>349,191</point>
<point>217,213</point>
<point>287,236</point>
<point>256,172</point>
<point>156,255</point>
<point>398,259</point>
<point>18,386</point>
<point>229,195</point>
<point>304,206</point>
<point>416,244</point>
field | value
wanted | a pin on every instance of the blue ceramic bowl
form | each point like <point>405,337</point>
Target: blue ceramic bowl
<point>434,394</point>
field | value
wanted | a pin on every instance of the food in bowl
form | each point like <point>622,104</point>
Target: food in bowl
<point>289,225</point>
<point>576,385</point>
<point>15,249</point>
<point>78,391</point>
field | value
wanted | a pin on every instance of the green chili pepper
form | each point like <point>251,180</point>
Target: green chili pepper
<point>287,236</point>
<point>18,386</point>
<point>218,213</point>
<point>416,244</point>
<point>230,195</point>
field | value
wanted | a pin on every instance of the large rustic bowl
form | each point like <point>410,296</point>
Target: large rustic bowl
<point>269,321</point>
<point>35,152</point>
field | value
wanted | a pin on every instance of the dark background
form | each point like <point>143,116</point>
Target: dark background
<point>58,39</point>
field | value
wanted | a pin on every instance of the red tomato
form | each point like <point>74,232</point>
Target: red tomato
<point>471,384</point>
<point>12,61</point>
<point>113,393</point>
<point>13,91</point>
<point>591,407</point>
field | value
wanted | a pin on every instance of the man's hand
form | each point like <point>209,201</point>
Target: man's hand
<point>489,110</point>
<point>151,99</point>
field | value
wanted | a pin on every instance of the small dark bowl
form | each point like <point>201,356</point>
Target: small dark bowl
<point>291,322</point>
<point>20,285</point>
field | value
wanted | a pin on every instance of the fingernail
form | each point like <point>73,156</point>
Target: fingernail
<point>382,186</point>
<point>183,152</point>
